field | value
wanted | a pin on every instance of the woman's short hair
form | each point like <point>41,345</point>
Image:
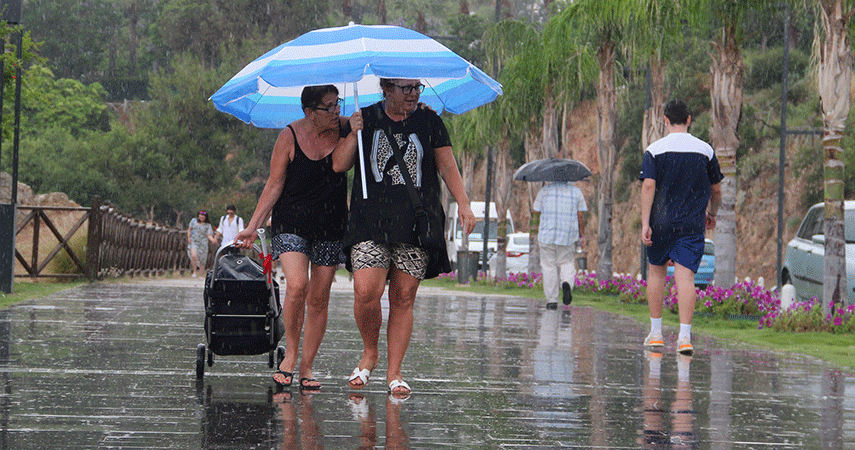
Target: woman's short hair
<point>313,95</point>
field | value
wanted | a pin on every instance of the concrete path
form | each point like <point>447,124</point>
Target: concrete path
<point>111,365</point>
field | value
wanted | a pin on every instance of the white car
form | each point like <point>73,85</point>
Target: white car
<point>804,260</point>
<point>516,252</point>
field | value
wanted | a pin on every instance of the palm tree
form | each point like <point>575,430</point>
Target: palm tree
<point>544,70</point>
<point>657,23</point>
<point>727,19</point>
<point>834,76</point>
<point>602,24</point>
<point>506,44</point>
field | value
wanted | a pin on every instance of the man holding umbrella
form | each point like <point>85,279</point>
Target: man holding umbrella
<point>562,225</point>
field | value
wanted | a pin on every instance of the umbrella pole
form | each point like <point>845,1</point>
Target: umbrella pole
<point>359,142</point>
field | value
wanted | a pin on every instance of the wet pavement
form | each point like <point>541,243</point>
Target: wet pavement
<point>108,366</point>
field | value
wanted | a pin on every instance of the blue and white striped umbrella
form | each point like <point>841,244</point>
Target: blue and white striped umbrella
<point>266,93</point>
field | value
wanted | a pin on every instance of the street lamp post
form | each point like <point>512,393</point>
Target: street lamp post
<point>11,14</point>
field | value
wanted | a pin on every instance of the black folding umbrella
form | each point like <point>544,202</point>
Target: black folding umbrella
<point>552,169</point>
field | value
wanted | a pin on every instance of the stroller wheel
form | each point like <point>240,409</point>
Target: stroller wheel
<point>270,358</point>
<point>200,361</point>
<point>210,357</point>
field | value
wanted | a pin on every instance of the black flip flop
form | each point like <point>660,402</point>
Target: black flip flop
<point>310,387</point>
<point>286,374</point>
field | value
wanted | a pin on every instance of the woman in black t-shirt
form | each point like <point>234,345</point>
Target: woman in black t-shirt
<point>382,236</point>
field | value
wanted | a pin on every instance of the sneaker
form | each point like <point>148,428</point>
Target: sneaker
<point>566,293</point>
<point>654,340</point>
<point>684,346</point>
<point>552,305</point>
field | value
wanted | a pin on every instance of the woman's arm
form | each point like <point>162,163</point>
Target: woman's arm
<point>283,152</point>
<point>446,165</point>
<point>344,155</point>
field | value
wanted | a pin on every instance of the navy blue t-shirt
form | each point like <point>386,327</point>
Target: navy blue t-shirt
<point>684,167</point>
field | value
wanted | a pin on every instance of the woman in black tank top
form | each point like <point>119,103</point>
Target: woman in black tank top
<point>308,202</point>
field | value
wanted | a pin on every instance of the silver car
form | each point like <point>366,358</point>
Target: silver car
<point>803,262</point>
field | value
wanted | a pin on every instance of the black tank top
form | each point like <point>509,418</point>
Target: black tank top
<point>313,203</point>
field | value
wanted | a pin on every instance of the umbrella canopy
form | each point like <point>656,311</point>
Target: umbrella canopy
<point>266,93</point>
<point>552,169</point>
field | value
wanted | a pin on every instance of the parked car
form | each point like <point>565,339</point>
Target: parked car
<point>517,254</point>
<point>454,233</point>
<point>704,275</point>
<point>805,255</point>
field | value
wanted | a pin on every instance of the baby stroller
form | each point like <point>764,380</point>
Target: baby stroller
<point>242,311</point>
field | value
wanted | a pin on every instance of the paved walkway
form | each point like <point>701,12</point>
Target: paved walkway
<point>112,365</point>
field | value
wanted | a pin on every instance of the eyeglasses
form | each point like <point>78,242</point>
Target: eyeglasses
<point>339,103</point>
<point>408,89</point>
<point>203,213</point>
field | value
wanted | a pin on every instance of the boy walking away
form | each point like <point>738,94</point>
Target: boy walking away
<point>680,196</point>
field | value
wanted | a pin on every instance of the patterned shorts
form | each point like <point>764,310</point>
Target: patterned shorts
<point>320,253</point>
<point>407,258</point>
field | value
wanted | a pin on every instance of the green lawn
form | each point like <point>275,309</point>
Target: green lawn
<point>838,349</point>
<point>24,290</point>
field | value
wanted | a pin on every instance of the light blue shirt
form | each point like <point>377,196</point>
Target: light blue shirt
<point>559,204</point>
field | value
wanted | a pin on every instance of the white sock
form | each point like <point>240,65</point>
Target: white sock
<point>685,331</point>
<point>656,325</point>
<point>683,369</point>
<point>655,368</point>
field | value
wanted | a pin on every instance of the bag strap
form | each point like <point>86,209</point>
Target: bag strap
<point>419,209</point>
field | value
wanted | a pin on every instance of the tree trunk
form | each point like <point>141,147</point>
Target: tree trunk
<point>653,125</point>
<point>726,72</point>
<point>503,184</point>
<point>606,120</point>
<point>550,137</point>
<point>346,10</point>
<point>381,11</point>
<point>133,39</point>
<point>468,169</point>
<point>834,78</point>
<point>532,152</point>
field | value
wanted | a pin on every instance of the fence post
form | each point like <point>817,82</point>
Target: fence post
<point>93,241</point>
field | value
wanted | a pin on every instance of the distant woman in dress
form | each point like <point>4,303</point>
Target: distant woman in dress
<point>199,234</point>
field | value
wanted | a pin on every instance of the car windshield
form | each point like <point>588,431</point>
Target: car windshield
<point>521,240</point>
<point>478,232</point>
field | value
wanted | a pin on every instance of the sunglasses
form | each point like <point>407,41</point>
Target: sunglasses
<point>408,89</point>
<point>203,213</point>
<point>339,103</point>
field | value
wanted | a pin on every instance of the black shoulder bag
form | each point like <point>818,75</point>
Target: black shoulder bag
<point>428,238</point>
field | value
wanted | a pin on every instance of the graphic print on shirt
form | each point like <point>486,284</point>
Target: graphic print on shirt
<point>381,153</point>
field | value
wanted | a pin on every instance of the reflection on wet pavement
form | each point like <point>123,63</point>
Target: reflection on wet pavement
<point>113,366</point>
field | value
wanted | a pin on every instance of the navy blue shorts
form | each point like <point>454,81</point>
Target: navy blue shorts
<point>320,253</point>
<point>684,250</point>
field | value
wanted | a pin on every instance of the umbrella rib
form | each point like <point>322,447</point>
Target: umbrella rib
<point>256,103</point>
<point>444,106</point>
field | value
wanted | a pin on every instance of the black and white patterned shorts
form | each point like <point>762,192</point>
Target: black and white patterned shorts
<point>320,253</point>
<point>407,258</point>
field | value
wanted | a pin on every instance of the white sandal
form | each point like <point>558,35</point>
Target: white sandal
<point>361,374</point>
<point>359,410</point>
<point>399,383</point>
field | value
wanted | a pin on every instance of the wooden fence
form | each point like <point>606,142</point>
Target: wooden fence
<point>116,244</point>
